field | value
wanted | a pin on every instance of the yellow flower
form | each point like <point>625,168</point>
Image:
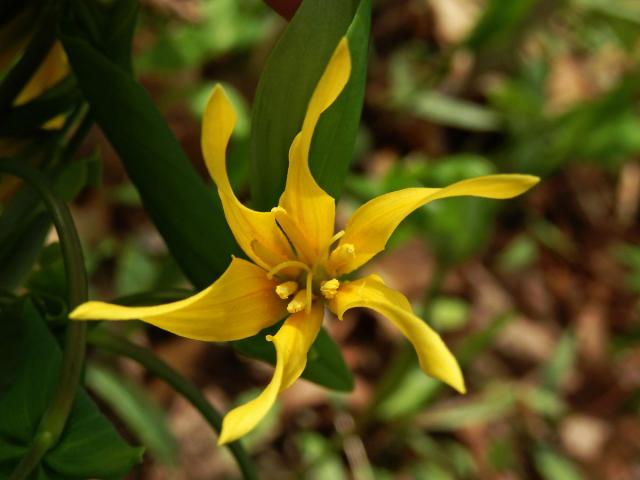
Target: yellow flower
<point>298,263</point>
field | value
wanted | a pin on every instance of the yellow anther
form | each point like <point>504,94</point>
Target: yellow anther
<point>286,289</point>
<point>342,255</point>
<point>298,303</point>
<point>329,289</point>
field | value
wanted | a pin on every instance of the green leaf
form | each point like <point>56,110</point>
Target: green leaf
<point>500,22</point>
<point>286,85</point>
<point>409,390</point>
<point>448,313</point>
<point>70,179</point>
<point>321,457</point>
<point>24,224</point>
<point>185,211</point>
<point>18,229</point>
<point>136,270</point>
<point>450,111</point>
<point>496,402</point>
<point>335,136</point>
<point>89,447</point>
<point>325,363</point>
<point>18,255</point>
<point>555,370</point>
<point>138,410</point>
<point>551,465</point>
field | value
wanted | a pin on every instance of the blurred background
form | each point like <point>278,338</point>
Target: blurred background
<point>537,296</point>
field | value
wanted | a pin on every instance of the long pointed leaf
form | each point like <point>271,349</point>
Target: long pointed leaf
<point>286,85</point>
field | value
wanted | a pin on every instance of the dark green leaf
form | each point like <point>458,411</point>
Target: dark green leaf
<point>89,447</point>
<point>335,135</point>
<point>71,178</point>
<point>19,253</point>
<point>184,210</point>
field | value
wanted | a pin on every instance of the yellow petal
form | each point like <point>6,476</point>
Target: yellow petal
<point>256,232</point>
<point>53,69</point>
<point>238,305</point>
<point>435,358</point>
<point>303,199</point>
<point>292,342</point>
<point>373,223</point>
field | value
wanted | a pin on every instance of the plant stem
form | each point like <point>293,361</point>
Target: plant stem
<point>119,345</point>
<point>55,417</point>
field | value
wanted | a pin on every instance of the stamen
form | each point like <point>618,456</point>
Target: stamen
<point>287,264</point>
<point>286,289</point>
<point>329,289</point>
<point>309,297</point>
<point>298,303</point>
<point>335,238</point>
<point>342,255</point>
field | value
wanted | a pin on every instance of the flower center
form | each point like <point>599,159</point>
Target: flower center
<point>302,284</point>
<point>303,287</point>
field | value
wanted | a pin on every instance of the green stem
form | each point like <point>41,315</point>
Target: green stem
<point>121,346</point>
<point>55,417</point>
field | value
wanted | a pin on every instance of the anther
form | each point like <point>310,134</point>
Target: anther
<point>286,289</point>
<point>342,255</point>
<point>329,289</point>
<point>298,303</point>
